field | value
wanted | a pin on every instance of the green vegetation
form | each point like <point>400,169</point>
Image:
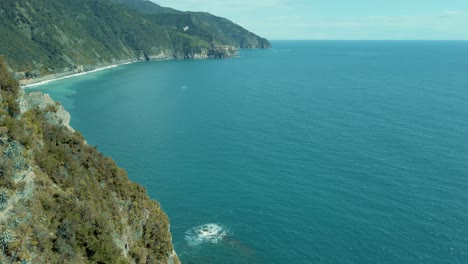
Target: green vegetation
<point>65,202</point>
<point>205,26</point>
<point>46,36</point>
<point>144,6</point>
<point>9,90</point>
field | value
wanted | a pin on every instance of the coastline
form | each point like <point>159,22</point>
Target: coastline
<point>29,83</point>
<point>33,82</point>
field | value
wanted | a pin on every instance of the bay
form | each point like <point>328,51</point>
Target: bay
<point>310,152</point>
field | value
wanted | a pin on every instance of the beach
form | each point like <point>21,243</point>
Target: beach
<point>32,82</point>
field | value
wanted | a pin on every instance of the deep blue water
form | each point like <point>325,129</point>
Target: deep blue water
<point>310,152</point>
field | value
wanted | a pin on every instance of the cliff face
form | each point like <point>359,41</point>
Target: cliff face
<point>61,200</point>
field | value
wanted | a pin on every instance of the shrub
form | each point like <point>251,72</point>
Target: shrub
<point>6,237</point>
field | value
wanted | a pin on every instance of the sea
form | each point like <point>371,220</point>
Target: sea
<point>309,152</point>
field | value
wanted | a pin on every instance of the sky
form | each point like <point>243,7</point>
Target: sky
<point>344,19</point>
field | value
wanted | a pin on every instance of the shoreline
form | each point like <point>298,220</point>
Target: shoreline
<point>30,83</point>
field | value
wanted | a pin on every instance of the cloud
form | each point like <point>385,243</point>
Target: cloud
<point>334,24</point>
<point>453,12</point>
<point>213,6</point>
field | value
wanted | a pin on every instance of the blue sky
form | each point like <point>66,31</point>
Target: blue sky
<point>332,19</point>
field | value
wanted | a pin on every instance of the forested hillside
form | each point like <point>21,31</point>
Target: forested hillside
<point>47,36</point>
<point>208,27</point>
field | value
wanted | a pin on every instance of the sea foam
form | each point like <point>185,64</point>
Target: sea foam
<point>207,233</point>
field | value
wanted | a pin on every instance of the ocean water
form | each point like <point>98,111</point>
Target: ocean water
<point>310,152</point>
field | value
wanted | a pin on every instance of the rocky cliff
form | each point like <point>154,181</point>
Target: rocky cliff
<point>61,200</point>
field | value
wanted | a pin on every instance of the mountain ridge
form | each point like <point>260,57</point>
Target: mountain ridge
<point>47,37</point>
<point>207,26</point>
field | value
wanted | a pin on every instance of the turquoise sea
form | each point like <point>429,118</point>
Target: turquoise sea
<point>310,152</point>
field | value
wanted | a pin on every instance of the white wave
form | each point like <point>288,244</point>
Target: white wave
<point>207,233</point>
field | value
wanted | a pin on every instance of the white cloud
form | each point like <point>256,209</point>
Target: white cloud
<point>453,12</point>
<point>213,6</point>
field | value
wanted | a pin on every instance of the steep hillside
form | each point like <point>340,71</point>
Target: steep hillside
<point>61,200</point>
<point>41,37</point>
<point>203,25</point>
<point>49,36</point>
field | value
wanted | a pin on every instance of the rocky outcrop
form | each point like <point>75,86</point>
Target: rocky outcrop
<point>54,112</point>
<point>173,258</point>
<point>215,52</point>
